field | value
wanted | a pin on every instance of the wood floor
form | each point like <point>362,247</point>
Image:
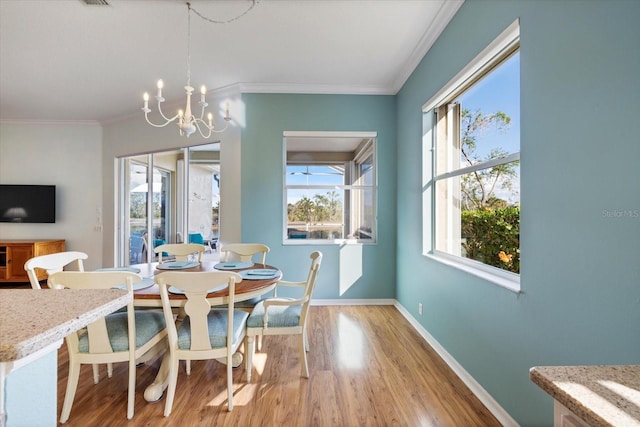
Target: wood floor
<point>368,367</point>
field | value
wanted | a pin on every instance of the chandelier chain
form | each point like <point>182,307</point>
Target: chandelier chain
<point>253,4</point>
<point>188,44</point>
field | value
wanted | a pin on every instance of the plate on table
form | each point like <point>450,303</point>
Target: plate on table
<point>232,265</point>
<point>260,274</point>
<point>130,269</point>
<point>175,290</point>
<point>177,265</point>
<point>144,283</point>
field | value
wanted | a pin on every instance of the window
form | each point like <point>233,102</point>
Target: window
<point>474,149</point>
<point>330,187</point>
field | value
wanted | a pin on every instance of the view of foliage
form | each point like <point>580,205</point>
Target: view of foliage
<point>492,236</point>
<point>319,217</point>
<point>138,205</point>
<point>322,208</point>
<point>490,225</point>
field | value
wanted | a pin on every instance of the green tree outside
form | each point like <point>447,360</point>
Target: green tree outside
<point>490,225</point>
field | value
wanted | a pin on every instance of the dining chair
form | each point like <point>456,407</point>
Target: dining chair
<point>284,316</point>
<point>131,336</point>
<point>180,250</point>
<point>243,252</point>
<point>52,263</point>
<point>205,332</point>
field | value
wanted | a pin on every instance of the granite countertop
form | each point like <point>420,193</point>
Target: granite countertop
<point>31,319</point>
<point>600,395</point>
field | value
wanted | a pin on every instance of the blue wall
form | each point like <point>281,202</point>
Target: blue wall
<point>348,272</point>
<point>580,195</point>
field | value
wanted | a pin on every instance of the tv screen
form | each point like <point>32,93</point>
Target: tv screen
<point>28,203</point>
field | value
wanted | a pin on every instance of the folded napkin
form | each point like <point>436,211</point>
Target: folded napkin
<point>232,265</point>
<point>259,274</point>
<point>264,272</point>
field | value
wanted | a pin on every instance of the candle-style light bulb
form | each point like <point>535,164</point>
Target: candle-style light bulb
<point>203,90</point>
<point>227,111</point>
<point>210,117</point>
<point>145,97</point>
<point>160,86</point>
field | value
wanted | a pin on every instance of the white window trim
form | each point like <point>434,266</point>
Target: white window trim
<point>508,280</point>
<point>506,39</point>
<point>503,278</point>
<point>332,134</point>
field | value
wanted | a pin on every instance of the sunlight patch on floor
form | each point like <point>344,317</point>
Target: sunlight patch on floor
<point>350,343</point>
<point>259,362</point>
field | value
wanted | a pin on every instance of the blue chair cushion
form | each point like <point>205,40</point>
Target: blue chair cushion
<point>217,321</point>
<point>196,238</point>
<point>280,316</point>
<point>148,325</point>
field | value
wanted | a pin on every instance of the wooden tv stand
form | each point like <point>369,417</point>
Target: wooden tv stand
<point>14,253</point>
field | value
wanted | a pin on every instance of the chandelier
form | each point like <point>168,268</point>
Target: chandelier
<point>186,121</point>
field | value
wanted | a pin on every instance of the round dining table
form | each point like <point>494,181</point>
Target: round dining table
<point>149,296</point>
<point>245,290</point>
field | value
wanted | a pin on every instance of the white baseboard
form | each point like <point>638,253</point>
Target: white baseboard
<point>487,400</point>
<point>389,301</point>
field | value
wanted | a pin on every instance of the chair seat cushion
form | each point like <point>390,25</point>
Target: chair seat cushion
<point>217,321</point>
<point>279,316</point>
<point>250,303</point>
<point>148,325</point>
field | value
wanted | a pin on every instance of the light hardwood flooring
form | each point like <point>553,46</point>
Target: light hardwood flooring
<point>368,367</point>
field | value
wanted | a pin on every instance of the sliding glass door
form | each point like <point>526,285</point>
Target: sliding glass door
<point>147,208</point>
<point>163,201</point>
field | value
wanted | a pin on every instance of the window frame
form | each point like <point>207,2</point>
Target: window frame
<point>351,207</point>
<point>496,53</point>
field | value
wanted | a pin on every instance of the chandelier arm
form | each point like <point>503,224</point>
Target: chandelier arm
<point>169,120</point>
<point>200,130</point>
<point>226,125</point>
<point>146,116</point>
<point>204,105</point>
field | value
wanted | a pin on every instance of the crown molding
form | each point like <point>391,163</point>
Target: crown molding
<point>49,122</point>
<point>299,88</point>
<point>431,34</point>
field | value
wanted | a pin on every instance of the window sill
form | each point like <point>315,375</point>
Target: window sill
<point>507,280</point>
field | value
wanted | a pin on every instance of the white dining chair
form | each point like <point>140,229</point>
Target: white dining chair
<point>243,252</point>
<point>131,336</point>
<point>52,263</point>
<point>205,332</point>
<point>284,316</point>
<point>181,251</point>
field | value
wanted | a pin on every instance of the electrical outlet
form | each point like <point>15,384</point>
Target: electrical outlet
<point>420,309</point>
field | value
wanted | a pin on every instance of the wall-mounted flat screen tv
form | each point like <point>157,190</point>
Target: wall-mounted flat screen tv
<point>28,203</point>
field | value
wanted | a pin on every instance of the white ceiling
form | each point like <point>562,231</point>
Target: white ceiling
<point>64,60</point>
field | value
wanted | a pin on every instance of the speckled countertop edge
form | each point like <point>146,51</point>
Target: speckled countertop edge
<point>602,395</point>
<point>32,319</point>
